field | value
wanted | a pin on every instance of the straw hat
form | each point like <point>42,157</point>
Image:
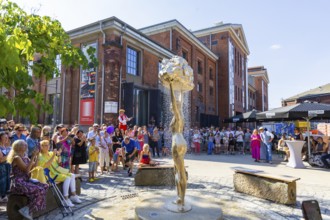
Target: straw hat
<point>121,110</point>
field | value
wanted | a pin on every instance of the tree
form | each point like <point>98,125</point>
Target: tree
<point>31,42</point>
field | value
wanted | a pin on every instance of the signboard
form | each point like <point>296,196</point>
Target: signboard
<point>87,90</point>
<point>270,115</point>
<point>235,119</point>
<point>315,112</point>
<point>110,107</point>
<point>87,111</point>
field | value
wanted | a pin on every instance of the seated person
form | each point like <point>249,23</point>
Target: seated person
<point>320,149</point>
<point>283,147</point>
<point>21,184</point>
<point>145,156</point>
<point>51,161</point>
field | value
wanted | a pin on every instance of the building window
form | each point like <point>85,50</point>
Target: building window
<point>211,91</point>
<point>185,55</point>
<point>214,42</point>
<point>199,66</point>
<point>197,113</point>
<point>199,87</point>
<point>211,73</point>
<point>235,92</point>
<point>132,61</point>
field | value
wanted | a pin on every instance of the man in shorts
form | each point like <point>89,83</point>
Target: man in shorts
<point>130,149</point>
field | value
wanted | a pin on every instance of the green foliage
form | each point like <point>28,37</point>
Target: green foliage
<point>29,41</point>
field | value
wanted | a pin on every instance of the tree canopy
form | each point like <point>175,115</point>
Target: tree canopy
<point>31,42</point>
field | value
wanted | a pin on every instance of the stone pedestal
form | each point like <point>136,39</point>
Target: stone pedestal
<point>266,188</point>
<point>156,208</point>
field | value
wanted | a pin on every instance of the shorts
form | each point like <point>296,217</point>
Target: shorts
<point>92,166</point>
<point>115,158</point>
<point>129,159</point>
<point>104,157</point>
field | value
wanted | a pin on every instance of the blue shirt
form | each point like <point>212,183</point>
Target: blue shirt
<point>15,137</point>
<point>32,145</point>
<point>129,147</point>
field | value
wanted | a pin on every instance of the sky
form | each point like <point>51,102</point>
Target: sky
<point>290,38</point>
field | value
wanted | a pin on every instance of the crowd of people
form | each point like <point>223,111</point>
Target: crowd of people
<point>25,153</point>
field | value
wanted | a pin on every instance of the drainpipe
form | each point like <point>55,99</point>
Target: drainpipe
<point>210,42</point>
<point>171,39</point>
<point>216,84</point>
<point>121,69</point>
<point>102,93</point>
<point>63,90</point>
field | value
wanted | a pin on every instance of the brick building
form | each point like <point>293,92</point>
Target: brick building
<point>127,74</point>
<point>126,77</point>
<point>179,40</point>
<point>229,43</point>
<point>258,78</point>
<point>320,94</point>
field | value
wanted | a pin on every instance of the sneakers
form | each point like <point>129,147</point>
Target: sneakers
<point>4,199</point>
<point>270,162</point>
<point>25,211</point>
<point>91,180</point>
<point>130,174</point>
<point>75,199</point>
<point>69,203</point>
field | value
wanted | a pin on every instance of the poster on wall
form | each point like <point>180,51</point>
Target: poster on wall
<point>87,90</point>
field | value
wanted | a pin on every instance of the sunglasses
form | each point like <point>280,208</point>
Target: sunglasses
<point>21,130</point>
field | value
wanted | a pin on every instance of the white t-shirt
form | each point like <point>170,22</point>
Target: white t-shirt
<point>97,137</point>
<point>197,138</point>
<point>239,136</point>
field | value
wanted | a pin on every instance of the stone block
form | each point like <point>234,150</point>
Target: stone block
<point>266,188</point>
<point>155,176</point>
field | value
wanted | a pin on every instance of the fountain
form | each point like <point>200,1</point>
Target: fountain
<point>177,76</point>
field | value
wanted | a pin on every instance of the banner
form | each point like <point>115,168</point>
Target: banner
<point>87,90</point>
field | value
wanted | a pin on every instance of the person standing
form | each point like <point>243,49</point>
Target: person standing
<point>267,138</point>
<point>239,134</point>
<point>197,139</point>
<point>255,145</point>
<point>4,166</point>
<point>154,142</point>
<point>80,151</point>
<point>247,139</point>
<point>123,119</point>
<point>105,147</point>
<point>33,140</point>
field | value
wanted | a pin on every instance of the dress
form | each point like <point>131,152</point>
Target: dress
<point>54,168</point>
<point>36,192</point>
<point>79,155</point>
<point>145,159</point>
<point>66,153</point>
<point>255,145</point>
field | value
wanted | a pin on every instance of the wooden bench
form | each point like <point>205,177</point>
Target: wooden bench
<point>277,188</point>
<point>15,202</point>
<point>159,175</point>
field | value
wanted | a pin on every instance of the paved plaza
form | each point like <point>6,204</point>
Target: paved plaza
<point>115,196</point>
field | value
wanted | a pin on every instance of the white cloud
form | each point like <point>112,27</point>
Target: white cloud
<point>276,46</point>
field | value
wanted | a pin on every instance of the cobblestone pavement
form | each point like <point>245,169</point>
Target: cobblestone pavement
<point>114,196</point>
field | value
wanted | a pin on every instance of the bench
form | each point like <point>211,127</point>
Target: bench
<point>159,175</point>
<point>277,188</point>
<point>15,202</point>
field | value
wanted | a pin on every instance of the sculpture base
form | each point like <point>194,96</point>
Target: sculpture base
<point>157,207</point>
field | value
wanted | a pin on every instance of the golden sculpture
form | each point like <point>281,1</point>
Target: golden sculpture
<point>177,75</point>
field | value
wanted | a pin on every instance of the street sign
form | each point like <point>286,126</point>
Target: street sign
<point>235,119</point>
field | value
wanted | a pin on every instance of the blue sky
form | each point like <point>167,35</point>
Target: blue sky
<point>289,37</point>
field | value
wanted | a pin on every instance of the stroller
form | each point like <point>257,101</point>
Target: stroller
<point>59,198</point>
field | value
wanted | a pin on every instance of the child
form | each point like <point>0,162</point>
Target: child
<point>93,153</point>
<point>231,142</point>
<point>210,145</point>
<point>225,144</point>
<point>145,156</point>
<point>217,143</point>
<point>116,156</point>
